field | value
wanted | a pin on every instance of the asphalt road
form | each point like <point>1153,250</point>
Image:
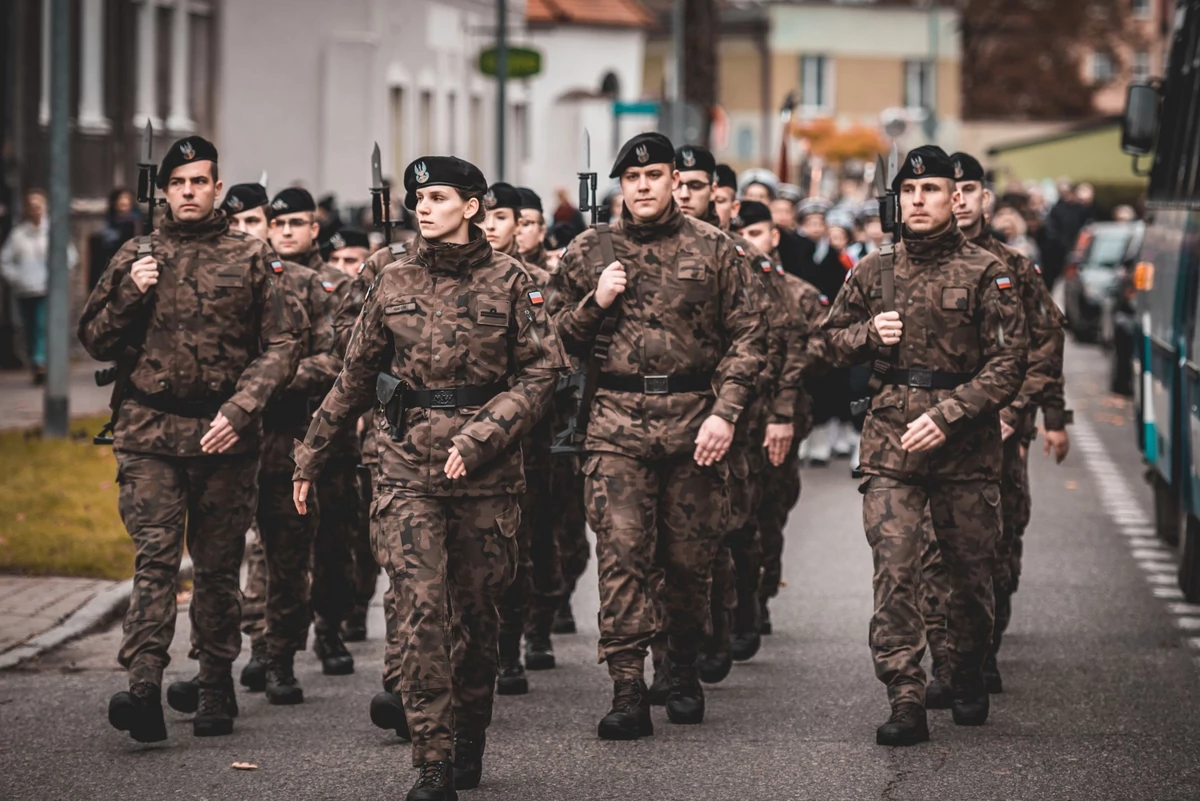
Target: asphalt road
<point>1102,685</point>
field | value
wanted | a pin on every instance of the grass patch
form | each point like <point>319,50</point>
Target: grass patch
<point>58,506</point>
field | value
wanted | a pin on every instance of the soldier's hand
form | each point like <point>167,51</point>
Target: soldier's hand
<point>300,495</point>
<point>611,284</point>
<point>922,435</point>
<point>889,327</point>
<point>713,441</point>
<point>144,273</point>
<point>778,440</point>
<point>455,468</point>
<point>220,438</point>
<point>1006,431</point>
<point>1059,442</point>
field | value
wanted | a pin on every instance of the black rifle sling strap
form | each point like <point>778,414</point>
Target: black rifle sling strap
<point>127,360</point>
<point>887,281</point>
<point>608,325</point>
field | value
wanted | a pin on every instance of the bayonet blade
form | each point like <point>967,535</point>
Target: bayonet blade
<point>587,151</point>
<point>376,169</point>
<point>262,179</point>
<point>147,143</point>
<point>880,177</point>
<point>893,164</point>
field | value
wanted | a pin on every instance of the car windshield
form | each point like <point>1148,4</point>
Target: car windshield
<point>1107,248</point>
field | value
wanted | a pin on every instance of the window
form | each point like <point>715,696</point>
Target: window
<point>816,92</point>
<point>918,84</point>
<point>1141,66</point>
<point>476,125</point>
<point>399,130</point>
<point>425,123</point>
<point>1101,67</point>
<point>1141,8</point>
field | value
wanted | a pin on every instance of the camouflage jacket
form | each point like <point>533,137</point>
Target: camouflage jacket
<point>535,446</point>
<point>446,316</point>
<point>962,313</point>
<point>688,309</point>
<point>1043,384</point>
<point>536,258</point>
<point>217,330</point>
<point>806,348</point>
<point>289,411</point>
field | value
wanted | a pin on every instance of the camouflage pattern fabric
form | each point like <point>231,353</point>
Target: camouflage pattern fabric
<point>935,599</point>
<point>287,539</point>
<point>207,502</point>
<point>254,593</point>
<point>781,492</point>
<point>217,331</point>
<point>1015,503</point>
<point>364,569</point>
<point>570,523</point>
<point>334,589</point>
<point>545,582</point>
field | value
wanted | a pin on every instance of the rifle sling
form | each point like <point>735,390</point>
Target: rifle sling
<point>128,359</point>
<point>599,354</point>
<point>887,281</point>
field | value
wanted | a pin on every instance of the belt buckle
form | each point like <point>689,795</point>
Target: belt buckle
<point>444,399</point>
<point>920,378</point>
<point>656,384</point>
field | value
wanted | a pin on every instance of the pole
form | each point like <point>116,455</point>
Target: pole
<point>678,88</point>
<point>931,120</point>
<point>55,402</point>
<point>501,83</point>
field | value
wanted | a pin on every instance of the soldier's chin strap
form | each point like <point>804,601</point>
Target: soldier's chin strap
<point>603,341</point>
<point>887,281</point>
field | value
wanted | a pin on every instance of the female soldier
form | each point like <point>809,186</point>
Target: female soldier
<point>455,338</point>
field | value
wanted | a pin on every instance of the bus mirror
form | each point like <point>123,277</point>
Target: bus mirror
<point>1141,119</point>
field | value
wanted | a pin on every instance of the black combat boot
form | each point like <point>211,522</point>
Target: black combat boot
<point>184,696</point>
<point>468,761</point>
<point>335,659</point>
<point>991,676</point>
<point>564,618</point>
<point>216,709</point>
<point>685,702</point>
<point>511,679</point>
<point>354,627</point>
<point>661,687</point>
<point>254,674</point>
<point>282,687</point>
<point>764,616</point>
<point>387,712</point>
<point>714,667</point>
<point>539,653</point>
<point>745,645</point>
<point>629,717</point>
<point>436,783</point>
<point>906,726</point>
<point>971,703</point>
<point>939,693</point>
<point>138,711</point>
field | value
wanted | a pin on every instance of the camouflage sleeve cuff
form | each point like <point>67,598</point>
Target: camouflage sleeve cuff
<point>588,315</point>
<point>1010,416</point>
<point>308,462</point>
<point>472,451</point>
<point>731,401</point>
<point>783,406</point>
<point>1057,419</point>
<point>127,296</point>
<point>939,420</point>
<point>238,417</point>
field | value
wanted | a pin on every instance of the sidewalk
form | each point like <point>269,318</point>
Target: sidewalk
<point>21,402</point>
<point>33,605</point>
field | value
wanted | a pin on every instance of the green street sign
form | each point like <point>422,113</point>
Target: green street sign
<point>523,62</point>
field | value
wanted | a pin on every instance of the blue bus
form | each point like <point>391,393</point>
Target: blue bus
<point>1163,118</point>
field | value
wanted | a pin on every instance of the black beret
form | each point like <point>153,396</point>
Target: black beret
<point>328,202</point>
<point>502,196</point>
<point>926,161</point>
<point>442,171</point>
<point>348,238</point>
<point>529,198</point>
<point>692,157</point>
<point>243,197</point>
<point>291,200</point>
<point>751,212</point>
<point>967,167</point>
<point>185,151</point>
<point>561,234</point>
<point>643,149</point>
<point>726,177</point>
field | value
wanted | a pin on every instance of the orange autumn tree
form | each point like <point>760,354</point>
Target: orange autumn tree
<point>838,145</point>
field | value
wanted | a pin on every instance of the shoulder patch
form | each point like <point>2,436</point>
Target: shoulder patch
<point>1004,282</point>
<point>848,274</point>
<point>329,286</point>
<point>779,269</point>
<point>535,297</point>
<point>1037,268</point>
<point>276,266</point>
<point>741,250</point>
<point>766,266</point>
<point>362,265</point>
<point>824,299</point>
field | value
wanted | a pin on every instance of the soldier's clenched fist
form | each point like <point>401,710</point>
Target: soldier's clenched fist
<point>144,273</point>
<point>889,327</point>
<point>611,284</point>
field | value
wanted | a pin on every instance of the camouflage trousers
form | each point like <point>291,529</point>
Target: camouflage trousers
<point>333,582</point>
<point>287,542</point>
<point>365,570</point>
<point>570,522</point>
<point>254,594</point>
<point>966,526</point>
<point>449,561</point>
<point>542,583</point>
<point>666,515</point>
<point>207,502</point>
<point>781,492</point>
<point>935,598</point>
<point>737,569</point>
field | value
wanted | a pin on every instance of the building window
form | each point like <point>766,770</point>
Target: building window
<point>918,84</point>
<point>1141,66</point>
<point>816,91</point>
<point>425,123</point>
<point>1100,67</point>
<point>1141,9</point>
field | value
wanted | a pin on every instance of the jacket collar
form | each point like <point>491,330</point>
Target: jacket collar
<point>450,259</point>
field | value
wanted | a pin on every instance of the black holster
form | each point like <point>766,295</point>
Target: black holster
<point>389,390</point>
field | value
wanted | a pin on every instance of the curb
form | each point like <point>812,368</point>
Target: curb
<point>90,617</point>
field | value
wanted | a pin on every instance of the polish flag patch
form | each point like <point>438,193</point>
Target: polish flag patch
<point>535,297</point>
<point>766,266</point>
<point>277,266</point>
<point>824,300</point>
<point>328,285</point>
<point>1004,282</point>
<point>1037,268</point>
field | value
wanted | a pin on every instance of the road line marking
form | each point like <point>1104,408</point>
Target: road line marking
<point>1184,609</point>
<point>1169,593</point>
<point>1188,623</point>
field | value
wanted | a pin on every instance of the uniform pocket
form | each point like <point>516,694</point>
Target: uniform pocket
<point>493,310</point>
<point>508,521</point>
<point>991,494</point>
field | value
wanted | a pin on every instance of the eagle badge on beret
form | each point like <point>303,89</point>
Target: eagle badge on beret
<point>958,170</point>
<point>489,200</point>
<point>689,158</point>
<point>188,151</point>
<point>918,165</point>
<point>643,154</point>
<point>280,204</point>
<point>421,172</point>
<point>736,222</point>
<point>235,203</point>
<point>337,242</point>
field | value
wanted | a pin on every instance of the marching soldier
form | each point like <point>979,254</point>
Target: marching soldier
<point>442,334</point>
<point>724,195</point>
<point>198,307</point>
<point>942,321</point>
<point>346,251</point>
<point>670,298</point>
<point>531,229</point>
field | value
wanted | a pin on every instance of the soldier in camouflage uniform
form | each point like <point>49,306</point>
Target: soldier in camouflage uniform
<point>454,342</point>
<point>954,349</point>
<point>686,351</point>
<point>213,341</point>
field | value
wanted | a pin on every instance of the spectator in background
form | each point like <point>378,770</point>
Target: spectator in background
<point>328,217</point>
<point>1073,210</point>
<point>1011,227</point>
<point>122,222</point>
<point>1124,213</point>
<point>23,265</point>
<point>783,207</point>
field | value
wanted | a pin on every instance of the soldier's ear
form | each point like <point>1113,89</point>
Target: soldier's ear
<point>774,237</point>
<point>471,208</point>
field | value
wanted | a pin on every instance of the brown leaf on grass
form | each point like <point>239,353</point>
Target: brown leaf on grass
<point>244,766</point>
<point>104,485</point>
<point>1072,485</point>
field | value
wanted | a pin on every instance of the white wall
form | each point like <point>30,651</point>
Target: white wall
<point>862,31</point>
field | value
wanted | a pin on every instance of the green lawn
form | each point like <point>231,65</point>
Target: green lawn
<point>58,506</point>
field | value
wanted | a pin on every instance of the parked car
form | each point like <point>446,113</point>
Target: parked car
<point>1091,276</point>
<point>1125,332</point>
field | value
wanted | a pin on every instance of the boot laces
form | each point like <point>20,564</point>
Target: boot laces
<point>212,702</point>
<point>144,691</point>
<point>628,695</point>
<point>331,645</point>
<point>282,669</point>
<point>433,774</point>
<point>903,713</point>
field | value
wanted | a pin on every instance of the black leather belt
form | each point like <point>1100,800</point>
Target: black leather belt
<point>453,397</point>
<point>169,404</point>
<point>656,384</point>
<point>926,379</point>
